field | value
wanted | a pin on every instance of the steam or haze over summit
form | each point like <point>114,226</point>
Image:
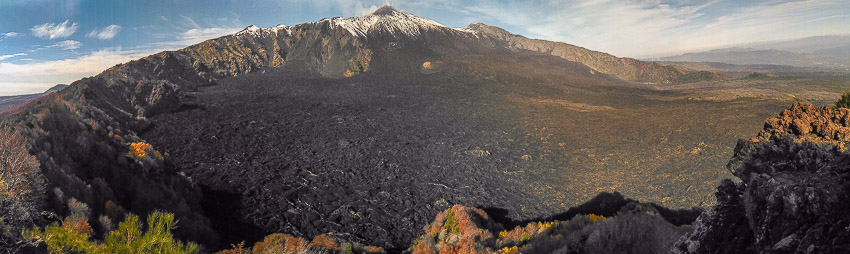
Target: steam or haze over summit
<point>43,43</point>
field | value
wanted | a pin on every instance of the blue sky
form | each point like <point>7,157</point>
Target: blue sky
<point>43,43</point>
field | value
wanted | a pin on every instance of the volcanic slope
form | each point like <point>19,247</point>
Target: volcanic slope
<point>369,126</point>
<point>372,143</point>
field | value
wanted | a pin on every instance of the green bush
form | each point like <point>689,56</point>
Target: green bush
<point>74,233</point>
<point>844,101</point>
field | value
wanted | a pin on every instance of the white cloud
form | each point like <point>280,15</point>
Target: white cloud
<point>647,28</point>
<point>4,57</point>
<point>67,45</point>
<point>767,22</point>
<point>10,35</point>
<point>107,33</point>
<point>194,36</point>
<point>54,31</point>
<point>38,76</point>
<point>352,8</point>
<point>190,22</point>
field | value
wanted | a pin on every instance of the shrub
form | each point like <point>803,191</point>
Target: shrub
<point>323,241</point>
<point>141,150</point>
<point>286,244</point>
<point>509,250</point>
<point>844,101</point>
<point>280,243</point>
<point>451,224</point>
<point>595,218</point>
<point>635,229</point>
<point>236,249</point>
<point>347,248</point>
<point>145,155</point>
<point>73,235</point>
<point>631,233</point>
<point>458,229</point>
<point>157,238</point>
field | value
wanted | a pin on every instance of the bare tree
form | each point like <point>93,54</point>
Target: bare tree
<point>21,185</point>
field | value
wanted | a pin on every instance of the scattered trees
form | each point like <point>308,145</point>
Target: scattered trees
<point>636,228</point>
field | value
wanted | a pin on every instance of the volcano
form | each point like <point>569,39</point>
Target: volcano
<point>367,127</point>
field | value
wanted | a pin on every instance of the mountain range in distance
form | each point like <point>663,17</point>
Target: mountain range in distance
<point>826,52</point>
<point>14,100</point>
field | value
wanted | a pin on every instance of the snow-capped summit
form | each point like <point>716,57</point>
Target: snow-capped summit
<point>386,20</point>
<point>251,28</point>
<point>256,31</point>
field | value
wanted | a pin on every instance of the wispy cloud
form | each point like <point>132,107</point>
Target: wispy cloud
<point>646,28</point>
<point>36,77</point>
<point>190,22</point>
<point>107,33</point>
<point>10,35</point>
<point>4,57</point>
<point>66,45</point>
<point>194,36</point>
<point>54,31</point>
<point>351,8</point>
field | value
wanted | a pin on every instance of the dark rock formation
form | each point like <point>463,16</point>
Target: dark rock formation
<point>792,198</point>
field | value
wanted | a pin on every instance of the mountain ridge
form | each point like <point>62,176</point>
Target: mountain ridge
<point>388,24</point>
<point>751,56</point>
<point>7,102</point>
<point>114,108</point>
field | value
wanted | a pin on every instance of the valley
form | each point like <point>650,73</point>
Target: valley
<point>361,132</point>
<point>376,156</point>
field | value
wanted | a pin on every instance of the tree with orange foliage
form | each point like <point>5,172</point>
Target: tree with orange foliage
<point>145,155</point>
<point>140,149</point>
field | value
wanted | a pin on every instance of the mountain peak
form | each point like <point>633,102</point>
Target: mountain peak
<point>252,28</point>
<point>256,31</point>
<point>387,20</point>
<point>385,10</point>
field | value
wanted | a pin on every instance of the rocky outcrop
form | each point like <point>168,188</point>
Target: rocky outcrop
<point>792,198</point>
<point>806,122</point>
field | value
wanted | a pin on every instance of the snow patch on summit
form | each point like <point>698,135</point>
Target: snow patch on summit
<point>386,20</point>
<point>468,30</point>
<point>257,31</point>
